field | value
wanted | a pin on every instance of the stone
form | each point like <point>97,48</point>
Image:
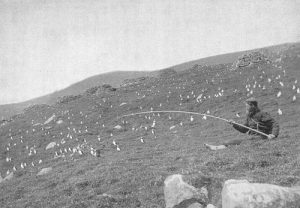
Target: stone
<point>242,194</point>
<point>180,194</point>
<point>51,145</point>
<point>195,205</point>
<point>44,171</point>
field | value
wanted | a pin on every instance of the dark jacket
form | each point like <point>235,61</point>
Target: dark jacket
<point>260,121</point>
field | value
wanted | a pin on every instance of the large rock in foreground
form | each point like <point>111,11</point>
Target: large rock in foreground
<point>242,194</point>
<point>180,194</point>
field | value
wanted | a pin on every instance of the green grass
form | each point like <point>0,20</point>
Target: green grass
<point>134,176</point>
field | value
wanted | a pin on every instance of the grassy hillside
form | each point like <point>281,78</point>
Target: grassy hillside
<point>116,79</point>
<point>135,159</point>
<point>112,78</point>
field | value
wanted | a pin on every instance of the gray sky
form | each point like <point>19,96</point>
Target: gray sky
<point>46,45</point>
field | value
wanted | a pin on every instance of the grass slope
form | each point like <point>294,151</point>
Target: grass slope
<point>116,79</point>
<point>113,78</point>
<point>134,176</point>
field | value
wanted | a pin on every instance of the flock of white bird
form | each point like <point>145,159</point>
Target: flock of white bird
<point>68,136</point>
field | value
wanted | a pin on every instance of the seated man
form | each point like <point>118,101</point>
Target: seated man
<point>256,119</point>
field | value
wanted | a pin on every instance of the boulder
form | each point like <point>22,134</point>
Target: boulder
<point>180,194</point>
<point>242,194</point>
<point>51,145</point>
<point>44,171</point>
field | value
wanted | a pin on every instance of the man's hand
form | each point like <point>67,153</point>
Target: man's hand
<point>271,136</point>
<point>231,121</point>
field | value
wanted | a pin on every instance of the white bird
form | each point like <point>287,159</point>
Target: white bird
<point>237,115</point>
<point>294,97</point>
<point>281,84</point>
<point>192,119</point>
<point>118,149</point>
<point>114,142</point>
<point>172,127</point>
<point>153,124</point>
<point>14,168</point>
<point>279,94</point>
<point>204,117</point>
<point>22,166</point>
<point>142,140</point>
<point>279,112</point>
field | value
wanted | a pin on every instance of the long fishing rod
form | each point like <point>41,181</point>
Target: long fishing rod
<point>194,113</point>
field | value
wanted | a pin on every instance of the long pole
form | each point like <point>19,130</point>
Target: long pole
<point>194,113</point>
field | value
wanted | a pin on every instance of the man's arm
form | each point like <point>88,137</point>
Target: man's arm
<point>273,124</point>
<point>241,128</point>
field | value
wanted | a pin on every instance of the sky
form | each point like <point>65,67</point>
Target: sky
<point>47,45</point>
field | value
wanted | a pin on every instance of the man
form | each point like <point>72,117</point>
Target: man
<point>256,119</point>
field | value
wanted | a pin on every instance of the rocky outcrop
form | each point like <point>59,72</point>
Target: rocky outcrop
<point>242,194</point>
<point>250,59</point>
<point>68,98</point>
<point>178,193</point>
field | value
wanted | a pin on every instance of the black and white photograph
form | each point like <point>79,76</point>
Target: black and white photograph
<point>149,103</point>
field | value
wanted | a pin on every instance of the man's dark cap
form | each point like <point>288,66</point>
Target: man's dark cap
<point>252,100</point>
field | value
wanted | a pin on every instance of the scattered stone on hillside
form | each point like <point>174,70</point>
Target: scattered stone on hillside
<point>51,145</point>
<point>180,194</point>
<point>44,171</point>
<point>250,59</point>
<point>242,194</point>
<point>68,98</point>
<point>50,119</point>
<point>93,90</point>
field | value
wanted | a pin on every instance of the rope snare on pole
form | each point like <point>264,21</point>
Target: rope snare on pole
<point>194,113</point>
